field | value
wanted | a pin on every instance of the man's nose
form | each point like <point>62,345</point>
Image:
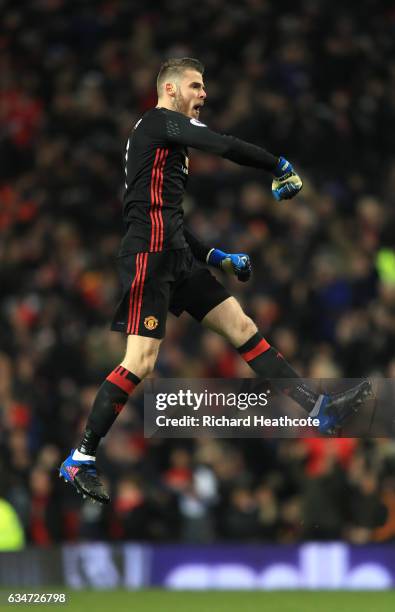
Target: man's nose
<point>203,94</point>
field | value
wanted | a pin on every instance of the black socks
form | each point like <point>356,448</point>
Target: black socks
<point>270,364</point>
<point>109,401</point>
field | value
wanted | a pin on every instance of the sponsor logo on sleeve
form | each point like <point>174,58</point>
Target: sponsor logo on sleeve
<point>198,123</point>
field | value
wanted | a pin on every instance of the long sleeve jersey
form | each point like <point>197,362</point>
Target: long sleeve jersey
<point>156,167</point>
<point>198,247</point>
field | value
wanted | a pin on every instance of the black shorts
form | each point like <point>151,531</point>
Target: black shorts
<point>155,283</point>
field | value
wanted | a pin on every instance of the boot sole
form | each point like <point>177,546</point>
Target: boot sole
<point>85,494</point>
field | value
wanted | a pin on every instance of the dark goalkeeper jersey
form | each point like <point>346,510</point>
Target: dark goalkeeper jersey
<point>156,167</point>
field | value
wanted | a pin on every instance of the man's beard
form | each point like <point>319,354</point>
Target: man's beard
<point>180,104</point>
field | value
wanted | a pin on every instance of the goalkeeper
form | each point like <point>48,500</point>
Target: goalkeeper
<point>162,269</point>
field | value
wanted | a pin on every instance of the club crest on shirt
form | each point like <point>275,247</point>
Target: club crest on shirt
<point>151,322</point>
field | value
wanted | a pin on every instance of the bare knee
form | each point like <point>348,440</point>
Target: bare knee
<point>147,362</point>
<point>244,328</point>
<point>141,356</point>
<point>229,320</point>
<point>241,329</point>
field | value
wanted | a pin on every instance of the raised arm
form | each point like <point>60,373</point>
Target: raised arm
<point>193,133</point>
<point>177,128</point>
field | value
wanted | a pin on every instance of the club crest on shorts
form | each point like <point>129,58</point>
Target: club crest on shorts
<point>151,322</point>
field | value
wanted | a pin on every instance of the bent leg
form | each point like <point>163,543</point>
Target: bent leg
<point>141,355</point>
<point>229,320</point>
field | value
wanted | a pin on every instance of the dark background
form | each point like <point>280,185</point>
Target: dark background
<point>311,80</point>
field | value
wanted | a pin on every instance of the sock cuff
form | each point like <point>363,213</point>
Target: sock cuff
<point>121,377</point>
<point>254,347</point>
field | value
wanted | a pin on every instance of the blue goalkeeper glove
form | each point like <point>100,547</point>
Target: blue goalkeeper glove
<point>286,183</point>
<point>235,263</point>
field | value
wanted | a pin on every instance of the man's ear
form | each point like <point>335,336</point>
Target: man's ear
<point>170,89</point>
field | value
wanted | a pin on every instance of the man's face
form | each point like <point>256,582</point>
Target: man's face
<point>190,94</point>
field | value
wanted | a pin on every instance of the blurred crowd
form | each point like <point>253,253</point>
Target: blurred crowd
<point>314,84</point>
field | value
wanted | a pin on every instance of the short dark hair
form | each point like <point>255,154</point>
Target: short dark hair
<point>175,66</point>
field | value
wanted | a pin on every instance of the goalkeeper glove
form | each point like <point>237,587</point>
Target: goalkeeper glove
<point>286,183</point>
<point>235,263</point>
